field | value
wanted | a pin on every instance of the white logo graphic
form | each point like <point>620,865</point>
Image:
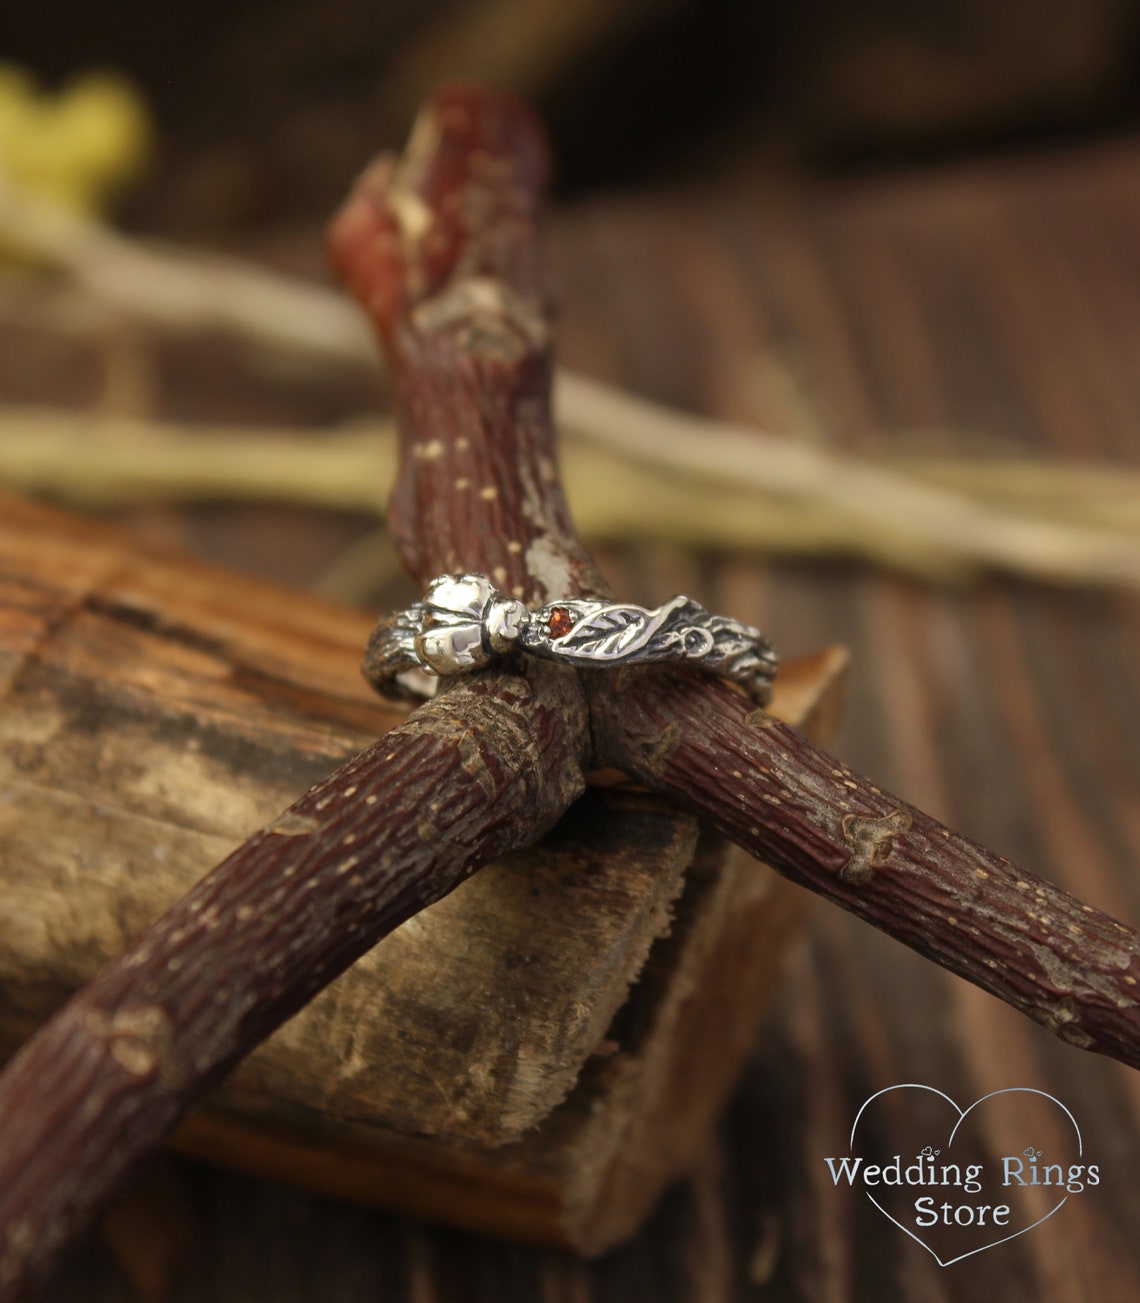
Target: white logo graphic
<point>952,1195</point>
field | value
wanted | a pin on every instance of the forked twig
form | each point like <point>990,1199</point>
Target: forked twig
<point>442,253</point>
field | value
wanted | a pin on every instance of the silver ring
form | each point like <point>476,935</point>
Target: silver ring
<point>465,623</point>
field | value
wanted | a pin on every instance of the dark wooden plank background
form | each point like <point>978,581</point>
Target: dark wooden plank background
<point>978,305</point>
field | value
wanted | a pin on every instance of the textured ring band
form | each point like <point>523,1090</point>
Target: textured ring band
<point>465,622</point>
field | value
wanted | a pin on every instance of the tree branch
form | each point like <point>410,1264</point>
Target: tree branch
<point>469,777</point>
<point>440,250</point>
<point>1065,964</point>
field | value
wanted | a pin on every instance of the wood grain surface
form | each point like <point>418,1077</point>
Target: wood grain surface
<point>987,305</point>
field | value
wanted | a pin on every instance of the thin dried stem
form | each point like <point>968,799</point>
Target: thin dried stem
<point>182,289</point>
<point>93,459</point>
<point>827,500</point>
<point>875,499</point>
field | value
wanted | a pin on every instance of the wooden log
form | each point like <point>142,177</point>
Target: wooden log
<point>535,1056</point>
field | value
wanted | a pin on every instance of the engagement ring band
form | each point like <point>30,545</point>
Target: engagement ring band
<point>465,622</point>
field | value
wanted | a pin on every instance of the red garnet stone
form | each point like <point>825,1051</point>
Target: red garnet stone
<point>560,622</point>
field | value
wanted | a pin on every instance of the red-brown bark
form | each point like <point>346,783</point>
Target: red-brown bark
<point>478,773</point>
<point>441,252</point>
<point>1067,965</point>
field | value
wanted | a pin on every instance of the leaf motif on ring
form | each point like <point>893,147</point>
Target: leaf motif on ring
<point>614,632</point>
